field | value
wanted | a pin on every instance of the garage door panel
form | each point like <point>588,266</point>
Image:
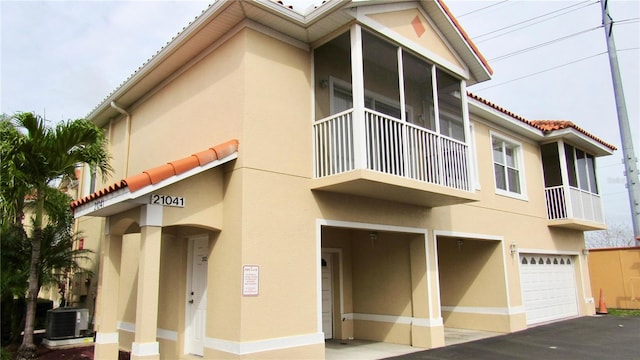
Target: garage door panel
<point>548,287</point>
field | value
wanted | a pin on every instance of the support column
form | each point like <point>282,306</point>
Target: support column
<point>427,330</point>
<point>145,345</point>
<point>106,313</point>
<point>357,90</point>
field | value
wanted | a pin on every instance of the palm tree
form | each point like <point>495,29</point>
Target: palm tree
<point>58,258</point>
<point>33,156</point>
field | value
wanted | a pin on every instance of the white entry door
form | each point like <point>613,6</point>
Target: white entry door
<point>196,295</point>
<point>549,288</point>
<point>327,297</point>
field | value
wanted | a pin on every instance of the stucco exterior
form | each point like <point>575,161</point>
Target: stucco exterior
<point>403,258</point>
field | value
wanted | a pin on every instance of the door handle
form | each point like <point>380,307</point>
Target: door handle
<point>190,301</point>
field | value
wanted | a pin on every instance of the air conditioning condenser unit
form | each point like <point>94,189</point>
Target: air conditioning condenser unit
<point>66,323</point>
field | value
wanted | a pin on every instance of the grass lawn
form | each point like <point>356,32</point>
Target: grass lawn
<point>624,312</point>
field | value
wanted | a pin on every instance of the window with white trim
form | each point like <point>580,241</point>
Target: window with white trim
<point>507,166</point>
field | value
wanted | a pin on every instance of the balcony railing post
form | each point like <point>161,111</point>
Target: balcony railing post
<point>357,73</point>
<point>439,151</point>
<point>565,177</point>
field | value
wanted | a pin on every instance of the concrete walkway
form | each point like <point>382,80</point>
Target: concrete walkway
<point>584,338</point>
<point>369,350</point>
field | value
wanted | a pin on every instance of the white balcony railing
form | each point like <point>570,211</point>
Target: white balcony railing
<point>579,204</point>
<point>391,146</point>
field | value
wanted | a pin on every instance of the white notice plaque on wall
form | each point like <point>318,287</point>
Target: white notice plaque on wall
<point>250,280</point>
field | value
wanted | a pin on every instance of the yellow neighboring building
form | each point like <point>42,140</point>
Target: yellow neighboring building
<point>293,177</point>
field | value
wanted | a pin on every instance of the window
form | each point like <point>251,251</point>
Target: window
<point>88,180</point>
<point>394,80</point>
<point>581,169</point>
<point>342,100</point>
<point>507,166</point>
<point>450,106</point>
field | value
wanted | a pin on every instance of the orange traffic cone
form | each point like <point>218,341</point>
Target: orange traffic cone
<point>602,309</point>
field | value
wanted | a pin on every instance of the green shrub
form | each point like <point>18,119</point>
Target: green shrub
<point>5,354</point>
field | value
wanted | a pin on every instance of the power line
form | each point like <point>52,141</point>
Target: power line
<point>540,72</point>
<point>626,21</point>
<point>482,8</point>
<point>521,51</point>
<point>581,4</point>
<point>550,69</point>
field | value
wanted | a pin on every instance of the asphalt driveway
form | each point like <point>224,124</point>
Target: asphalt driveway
<point>589,337</point>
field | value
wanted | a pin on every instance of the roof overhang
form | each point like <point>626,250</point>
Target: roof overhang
<point>575,136</point>
<point>496,116</point>
<point>124,199</point>
<point>219,19</point>
<point>580,140</point>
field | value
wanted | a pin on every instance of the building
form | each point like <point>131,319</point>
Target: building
<point>292,177</point>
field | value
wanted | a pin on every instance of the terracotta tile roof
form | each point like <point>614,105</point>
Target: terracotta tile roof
<point>542,125</point>
<point>465,36</point>
<point>157,174</point>
<point>550,125</point>
<point>500,108</point>
<point>553,125</point>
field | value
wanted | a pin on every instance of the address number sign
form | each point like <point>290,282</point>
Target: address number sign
<point>167,200</point>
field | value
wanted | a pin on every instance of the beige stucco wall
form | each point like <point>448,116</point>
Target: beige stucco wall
<point>257,89</point>
<point>199,109</point>
<point>401,23</point>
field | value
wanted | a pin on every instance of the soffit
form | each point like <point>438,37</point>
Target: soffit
<point>212,25</point>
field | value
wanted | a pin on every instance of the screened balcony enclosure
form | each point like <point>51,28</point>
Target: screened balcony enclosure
<point>388,122</point>
<point>571,187</point>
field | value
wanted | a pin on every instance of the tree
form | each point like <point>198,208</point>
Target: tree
<point>58,259</point>
<point>616,235</point>
<point>33,156</point>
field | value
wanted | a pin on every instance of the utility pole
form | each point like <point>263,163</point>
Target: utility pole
<point>629,157</point>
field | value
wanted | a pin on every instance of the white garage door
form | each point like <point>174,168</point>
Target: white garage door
<point>548,287</point>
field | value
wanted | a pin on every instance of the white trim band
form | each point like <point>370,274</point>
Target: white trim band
<point>126,326</point>
<point>485,310</point>
<point>107,338</point>
<point>250,347</point>
<point>167,334</point>
<point>547,252</point>
<point>383,318</point>
<point>163,334</point>
<point>145,349</point>
<point>394,319</point>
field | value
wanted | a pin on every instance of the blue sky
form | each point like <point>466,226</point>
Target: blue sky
<point>62,58</point>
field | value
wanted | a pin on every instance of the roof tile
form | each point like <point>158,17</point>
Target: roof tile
<point>206,156</point>
<point>163,172</point>
<point>185,164</point>
<point>542,125</point>
<point>138,181</point>
<point>160,173</point>
<point>225,149</point>
<point>552,125</point>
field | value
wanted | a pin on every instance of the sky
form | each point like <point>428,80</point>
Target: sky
<point>60,59</point>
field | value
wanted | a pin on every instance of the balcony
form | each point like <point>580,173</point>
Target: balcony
<point>574,208</point>
<point>385,158</point>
